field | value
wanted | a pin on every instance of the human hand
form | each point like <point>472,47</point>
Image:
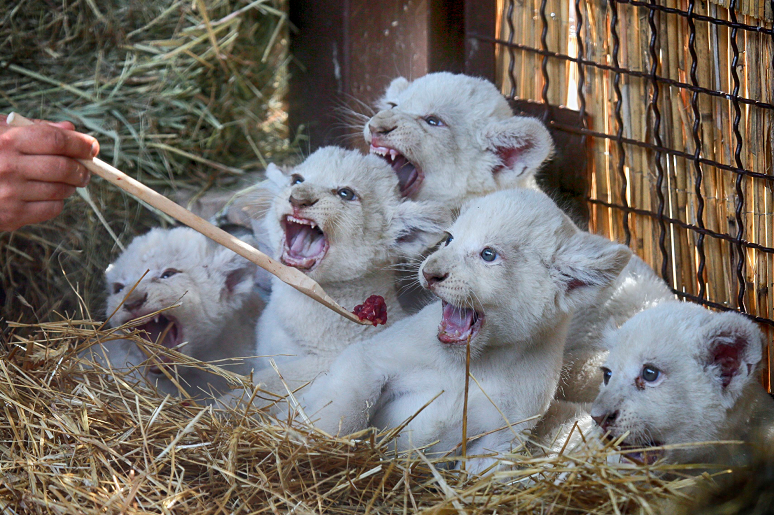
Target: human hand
<point>38,170</point>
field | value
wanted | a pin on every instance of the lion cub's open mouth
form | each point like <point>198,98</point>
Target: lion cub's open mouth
<point>644,453</point>
<point>645,456</point>
<point>305,243</point>
<point>410,176</point>
<point>164,331</point>
<point>458,324</point>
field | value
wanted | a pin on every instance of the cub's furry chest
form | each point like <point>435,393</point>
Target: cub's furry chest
<point>314,329</point>
<point>439,400</point>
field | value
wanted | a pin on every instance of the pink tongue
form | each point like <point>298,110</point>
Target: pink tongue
<point>307,243</point>
<point>155,330</point>
<point>456,320</point>
<point>406,172</point>
<point>299,241</point>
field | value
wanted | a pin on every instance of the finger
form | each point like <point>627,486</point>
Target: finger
<point>32,213</point>
<point>36,212</point>
<point>47,139</point>
<point>36,191</point>
<point>53,169</point>
<point>64,124</point>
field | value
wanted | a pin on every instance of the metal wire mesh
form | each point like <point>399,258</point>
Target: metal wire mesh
<point>677,97</point>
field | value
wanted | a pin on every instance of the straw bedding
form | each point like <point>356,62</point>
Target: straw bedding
<point>77,438</point>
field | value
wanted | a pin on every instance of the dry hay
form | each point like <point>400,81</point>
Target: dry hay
<point>183,95</point>
<point>86,440</point>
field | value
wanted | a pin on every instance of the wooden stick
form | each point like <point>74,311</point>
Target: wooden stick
<point>286,274</point>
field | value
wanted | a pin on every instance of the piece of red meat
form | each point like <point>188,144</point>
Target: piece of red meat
<point>373,309</point>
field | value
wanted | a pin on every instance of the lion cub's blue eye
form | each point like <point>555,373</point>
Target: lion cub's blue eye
<point>117,287</point>
<point>434,121</point>
<point>346,194</point>
<point>296,179</point>
<point>448,239</point>
<point>650,373</point>
<point>169,272</point>
<point>488,254</point>
<point>606,374</point>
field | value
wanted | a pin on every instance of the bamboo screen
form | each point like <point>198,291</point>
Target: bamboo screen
<point>678,101</point>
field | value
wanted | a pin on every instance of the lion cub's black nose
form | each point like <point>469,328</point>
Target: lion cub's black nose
<point>434,278</point>
<point>605,420</point>
<point>299,203</point>
<point>135,303</point>
<point>381,130</point>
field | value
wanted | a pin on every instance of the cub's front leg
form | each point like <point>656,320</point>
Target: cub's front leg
<point>342,401</point>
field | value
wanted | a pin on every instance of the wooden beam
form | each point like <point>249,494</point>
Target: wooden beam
<point>319,69</point>
<point>480,22</point>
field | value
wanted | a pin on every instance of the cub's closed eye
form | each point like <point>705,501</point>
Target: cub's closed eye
<point>169,272</point>
<point>296,179</point>
<point>489,254</point>
<point>434,121</point>
<point>650,373</point>
<point>606,374</point>
<point>117,287</point>
<point>392,105</point>
<point>346,194</point>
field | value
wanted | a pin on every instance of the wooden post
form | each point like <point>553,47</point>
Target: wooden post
<point>346,54</point>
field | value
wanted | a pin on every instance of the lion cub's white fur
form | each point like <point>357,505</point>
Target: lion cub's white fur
<point>211,289</point>
<point>482,147</point>
<point>477,145</point>
<point>707,387</point>
<point>365,237</point>
<point>544,269</point>
<point>637,288</point>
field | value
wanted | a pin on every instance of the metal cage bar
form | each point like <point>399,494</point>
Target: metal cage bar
<point>700,279</point>
<point>619,118</point>
<point>657,137</point>
<point>741,259</point>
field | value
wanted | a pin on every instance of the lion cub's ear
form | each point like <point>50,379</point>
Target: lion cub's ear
<point>585,264</point>
<point>521,144</point>
<point>277,176</point>
<point>234,273</point>
<point>415,226</point>
<point>730,349</point>
<point>396,87</point>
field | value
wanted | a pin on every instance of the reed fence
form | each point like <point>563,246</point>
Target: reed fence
<point>676,98</point>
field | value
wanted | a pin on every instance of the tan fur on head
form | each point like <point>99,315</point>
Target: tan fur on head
<point>460,135</point>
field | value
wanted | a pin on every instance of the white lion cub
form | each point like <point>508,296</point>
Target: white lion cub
<point>216,306</point>
<point>451,137</point>
<point>454,137</point>
<point>636,289</point>
<point>512,271</point>
<point>678,373</point>
<point>339,218</point>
